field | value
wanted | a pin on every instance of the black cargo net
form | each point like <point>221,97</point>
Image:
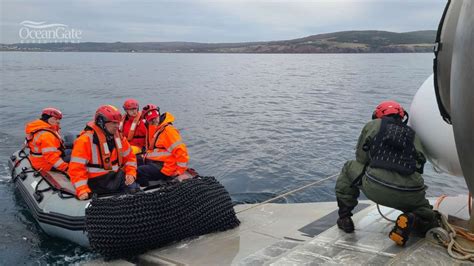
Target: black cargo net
<point>127,225</point>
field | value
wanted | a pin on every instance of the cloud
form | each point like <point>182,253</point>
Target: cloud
<point>219,20</point>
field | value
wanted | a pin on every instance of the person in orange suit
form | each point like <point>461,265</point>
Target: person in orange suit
<point>166,155</point>
<point>133,126</point>
<point>45,143</point>
<point>102,160</point>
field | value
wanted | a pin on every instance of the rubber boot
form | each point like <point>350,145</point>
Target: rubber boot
<point>133,188</point>
<point>403,226</point>
<point>344,222</point>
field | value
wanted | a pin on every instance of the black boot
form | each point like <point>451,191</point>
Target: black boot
<point>133,188</point>
<point>345,212</point>
<point>422,225</point>
<point>346,224</point>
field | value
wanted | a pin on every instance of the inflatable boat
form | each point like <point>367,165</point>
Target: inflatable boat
<point>119,225</point>
<point>50,197</point>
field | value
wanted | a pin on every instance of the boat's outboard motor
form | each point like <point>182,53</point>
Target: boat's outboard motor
<point>69,139</point>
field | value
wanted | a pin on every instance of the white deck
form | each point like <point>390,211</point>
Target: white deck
<point>303,234</point>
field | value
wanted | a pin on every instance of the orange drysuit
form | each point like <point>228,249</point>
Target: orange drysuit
<point>46,146</point>
<point>91,157</point>
<point>164,145</point>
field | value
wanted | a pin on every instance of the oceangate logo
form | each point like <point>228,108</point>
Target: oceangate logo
<point>39,32</point>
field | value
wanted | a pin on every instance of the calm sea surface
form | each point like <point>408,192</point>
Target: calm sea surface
<point>262,124</point>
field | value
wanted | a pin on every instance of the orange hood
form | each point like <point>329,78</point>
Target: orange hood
<point>37,124</point>
<point>168,118</point>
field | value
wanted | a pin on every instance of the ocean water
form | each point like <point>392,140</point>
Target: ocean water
<point>262,124</point>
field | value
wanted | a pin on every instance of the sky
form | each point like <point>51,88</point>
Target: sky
<point>218,20</point>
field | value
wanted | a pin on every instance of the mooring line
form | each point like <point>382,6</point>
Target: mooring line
<point>289,192</point>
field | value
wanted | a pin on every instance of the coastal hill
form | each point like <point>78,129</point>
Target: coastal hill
<point>338,42</point>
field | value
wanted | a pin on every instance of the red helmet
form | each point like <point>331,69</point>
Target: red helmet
<point>52,112</point>
<point>150,111</point>
<point>108,113</point>
<point>388,108</point>
<point>130,104</point>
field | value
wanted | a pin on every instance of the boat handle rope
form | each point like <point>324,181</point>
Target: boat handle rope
<point>22,154</point>
<point>290,192</point>
<point>65,195</point>
<point>23,173</point>
<point>40,191</point>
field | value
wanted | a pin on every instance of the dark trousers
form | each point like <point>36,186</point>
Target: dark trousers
<point>405,201</point>
<point>110,183</point>
<point>150,171</point>
<point>140,160</point>
<point>67,155</point>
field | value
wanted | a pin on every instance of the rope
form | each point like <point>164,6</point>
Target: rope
<point>22,155</point>
<point>289,192</point>
<point>454,248</point>
<point>383,216</point>
<point>439,200</point>
<point>469,203</point>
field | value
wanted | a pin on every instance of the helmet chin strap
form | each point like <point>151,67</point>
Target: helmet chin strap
<point>101,123</point>
<point>108,134</point>
<point>406,117</point>
<point>374,116</point>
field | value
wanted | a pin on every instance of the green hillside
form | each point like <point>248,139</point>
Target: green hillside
<point>369,41</point>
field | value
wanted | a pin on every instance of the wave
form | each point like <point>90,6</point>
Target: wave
<point>4,174</point>
<point>40,25</point>
<point>31,22</point>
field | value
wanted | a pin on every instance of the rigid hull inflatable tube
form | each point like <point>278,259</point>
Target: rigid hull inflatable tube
<point>123,225</point>
<point>56,211</point>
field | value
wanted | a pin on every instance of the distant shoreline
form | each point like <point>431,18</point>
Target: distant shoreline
<point>329,43</point>
<point>120,52</point>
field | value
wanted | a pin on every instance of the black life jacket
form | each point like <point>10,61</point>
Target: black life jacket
<point>393,148</point>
